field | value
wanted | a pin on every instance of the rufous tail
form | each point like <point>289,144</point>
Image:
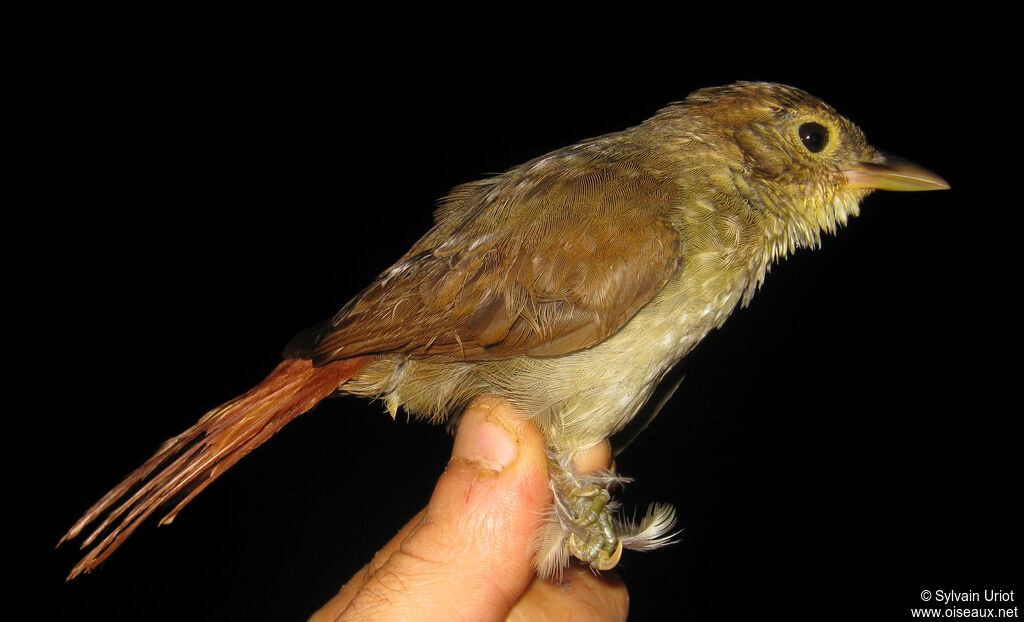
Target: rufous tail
<point>189,462</point>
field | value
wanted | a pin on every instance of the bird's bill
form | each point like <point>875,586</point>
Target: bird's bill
<point>895,174</point>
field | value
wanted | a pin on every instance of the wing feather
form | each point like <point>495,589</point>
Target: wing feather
<point>546,259</point>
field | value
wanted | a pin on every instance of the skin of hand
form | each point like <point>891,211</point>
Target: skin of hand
<point>466,556</point>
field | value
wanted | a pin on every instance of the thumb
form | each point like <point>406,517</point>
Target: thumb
<point>468,556</point>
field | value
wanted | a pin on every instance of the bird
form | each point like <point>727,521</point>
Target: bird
<point>569,285</point>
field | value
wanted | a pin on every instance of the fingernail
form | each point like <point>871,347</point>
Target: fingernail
<point>482,439</point>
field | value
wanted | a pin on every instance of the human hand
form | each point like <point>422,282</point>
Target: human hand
<point>466,556</point>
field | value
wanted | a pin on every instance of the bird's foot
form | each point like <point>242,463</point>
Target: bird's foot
<point>599,545</point>
<point>582,523</point>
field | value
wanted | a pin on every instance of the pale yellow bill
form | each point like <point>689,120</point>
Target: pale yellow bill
<point>895,174</point>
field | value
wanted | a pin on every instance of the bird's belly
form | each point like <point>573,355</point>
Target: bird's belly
<point>595,392</point>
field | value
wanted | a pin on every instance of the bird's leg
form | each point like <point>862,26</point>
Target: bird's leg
<point>599,544</point>
<point>582,521</point>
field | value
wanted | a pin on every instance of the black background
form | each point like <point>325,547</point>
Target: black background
<point>203,186</point>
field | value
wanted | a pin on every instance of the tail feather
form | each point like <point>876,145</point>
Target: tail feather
<point>189,462</point>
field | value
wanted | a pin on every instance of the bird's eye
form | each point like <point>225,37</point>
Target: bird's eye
<point>813,136</point>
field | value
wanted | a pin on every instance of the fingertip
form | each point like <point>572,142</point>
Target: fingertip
<point>480,430</point>
<point>486,437</point>
<point>594,458</point>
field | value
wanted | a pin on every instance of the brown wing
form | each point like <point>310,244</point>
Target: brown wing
<point>543,260</point>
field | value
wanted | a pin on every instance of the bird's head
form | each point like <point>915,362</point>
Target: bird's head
<point>793,158</point>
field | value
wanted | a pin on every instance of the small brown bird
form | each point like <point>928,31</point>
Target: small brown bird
<point>569,285</point>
